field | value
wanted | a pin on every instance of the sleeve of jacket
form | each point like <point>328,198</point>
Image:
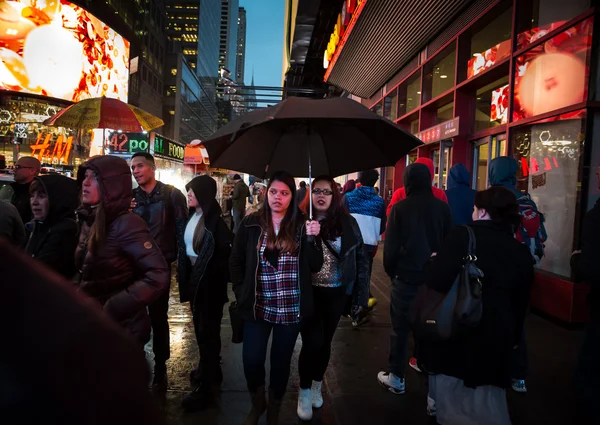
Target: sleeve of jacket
<point>152,271</point>
<point>392,245</point>
<point>313,252</point>
<point>362,269</point>
<point>396,197</point>
<point>58,250</point>
<point>237,260</point>
<point>235,195</point>
<point>448,261</point>
<point>586,265</point>
<point>223,246</point>
<point>383,217</point>
<point>447,220</point>
<point>521,296</point>
<point>180,209</point>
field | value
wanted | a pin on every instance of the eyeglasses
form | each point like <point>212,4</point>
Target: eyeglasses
<point>18,167</point>
<point>325,192</point>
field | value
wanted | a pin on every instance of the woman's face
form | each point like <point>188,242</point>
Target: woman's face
<point>279,196</point>
<point>39,205</point>
<point>192,201</point>
<point>91,188</point>
<point>322,196</point>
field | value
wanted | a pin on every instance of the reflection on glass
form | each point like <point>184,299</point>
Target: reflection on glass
<point>481,158</point>
<point>414,126</point>
<point>446,166</point>
<point>491,104</point>
<point>439,74</point>
<point>435,157</point>
<point>411,158</point>
<point>409,94</point>
<point>378,109</point>
<point>536,18</point>
<point>444,113</point>
<point>390,106</point>
<point>549,156</point>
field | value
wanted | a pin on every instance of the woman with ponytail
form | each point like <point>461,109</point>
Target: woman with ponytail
<point>119,263</point>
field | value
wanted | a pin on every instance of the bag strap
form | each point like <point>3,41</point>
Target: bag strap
<point>471,247</point>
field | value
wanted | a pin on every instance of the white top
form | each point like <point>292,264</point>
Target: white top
<point>188,236</point>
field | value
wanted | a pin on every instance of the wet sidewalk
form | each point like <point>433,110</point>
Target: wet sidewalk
<point>351,391</point>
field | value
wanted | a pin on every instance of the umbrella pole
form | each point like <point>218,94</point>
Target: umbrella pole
<point>310,204</point>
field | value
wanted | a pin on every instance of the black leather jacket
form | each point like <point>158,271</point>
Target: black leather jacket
<point>165,212</point>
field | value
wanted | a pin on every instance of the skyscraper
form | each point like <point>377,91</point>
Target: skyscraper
<point>241,47</point>
<point>228,35</point>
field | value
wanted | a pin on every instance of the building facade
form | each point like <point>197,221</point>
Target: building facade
<point>240,62</point>
<point>228,35</point>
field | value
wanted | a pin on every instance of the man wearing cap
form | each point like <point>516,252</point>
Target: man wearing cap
<point>240,193</point>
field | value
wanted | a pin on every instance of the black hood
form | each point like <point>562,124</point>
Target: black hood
<point>62,194</point>
<point>205,189</point>
<point>417,180</point>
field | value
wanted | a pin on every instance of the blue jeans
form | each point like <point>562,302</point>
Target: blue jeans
<point>403,294</point>
<point>256,338</point>
<point>237,219</point>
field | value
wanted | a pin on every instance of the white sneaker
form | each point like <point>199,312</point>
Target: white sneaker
<point>390,381</point>
<point>317,396</point>
<point>305,404</point>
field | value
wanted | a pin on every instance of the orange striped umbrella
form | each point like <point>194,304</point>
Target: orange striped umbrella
<point>104,112</point>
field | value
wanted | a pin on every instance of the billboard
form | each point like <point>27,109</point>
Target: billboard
<point>55,48</point>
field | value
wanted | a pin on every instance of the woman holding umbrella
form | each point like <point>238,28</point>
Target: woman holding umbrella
<point>271,265</point>
<point>345,272</point>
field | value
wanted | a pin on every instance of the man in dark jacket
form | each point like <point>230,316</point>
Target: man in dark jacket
<point>86,370</point>
<point>301,194</point>
<point>238,206</point>
<point>164,209</point>
<point>416,229</point>
<point>53,231</point>
<point>586,266</point>
<point>26,169</point>
<point>461,197</point>
<point>11,225</point>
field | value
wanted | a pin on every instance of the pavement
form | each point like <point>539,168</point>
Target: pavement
<point>351,391</point>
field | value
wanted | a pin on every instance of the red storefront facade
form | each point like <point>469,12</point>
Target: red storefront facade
<point>518,79</point>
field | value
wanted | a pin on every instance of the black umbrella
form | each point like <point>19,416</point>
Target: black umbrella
<point>308,137</point>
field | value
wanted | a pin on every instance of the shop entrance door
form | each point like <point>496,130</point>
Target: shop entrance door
<point>442,161</point>
<point>485,150</point>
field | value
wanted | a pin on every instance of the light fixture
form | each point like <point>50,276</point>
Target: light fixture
<point>443,76</point>
<point>119,131</point>
<point>418,92</point>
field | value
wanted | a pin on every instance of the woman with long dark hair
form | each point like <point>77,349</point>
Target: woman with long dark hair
<point>469,374</point>
<point>345,272</point>
<point>271,264</point>
<point>119,263</point>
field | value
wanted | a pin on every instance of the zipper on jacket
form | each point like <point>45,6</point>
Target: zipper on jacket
<point>299,268</point>
<point>256,271</point>
<point>203,273</point>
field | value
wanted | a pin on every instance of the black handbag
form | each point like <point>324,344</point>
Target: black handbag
<point>237,324</point>
<point>440,316</point>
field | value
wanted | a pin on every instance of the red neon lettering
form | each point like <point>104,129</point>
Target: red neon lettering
<point>535,167</point>
<point>548,167</point>
<point>524,167</point>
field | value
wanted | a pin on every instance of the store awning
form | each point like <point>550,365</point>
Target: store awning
<point>387,35</point>
<point>195,155</point>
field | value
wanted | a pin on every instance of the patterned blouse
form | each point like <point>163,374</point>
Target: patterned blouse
<point>330,275</point>
<point>278,290</point>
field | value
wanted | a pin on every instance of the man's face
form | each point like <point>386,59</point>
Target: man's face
<point>25,171</point>
<point>143,170</point>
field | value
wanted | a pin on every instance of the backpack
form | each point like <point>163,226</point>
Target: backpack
<point>531,231</point>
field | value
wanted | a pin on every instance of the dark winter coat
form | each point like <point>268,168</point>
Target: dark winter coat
<point>20,199</point>
<point>482,355</point>
<point>11,225</point>
<point>53,241</point>
<point>205,282</point>
<point>416,227</point>
<point>461,197</point>
<point>129,272</point>
<point>243,266</point>
<point>239,196</point>
<point>85,368</point>
<point>586,265</point>
<point>165,212</point>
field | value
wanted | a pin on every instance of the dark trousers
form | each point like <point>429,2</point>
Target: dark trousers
<point>207,326</point>
<point>520,360</point>
<point>159,320</point>
<point>587,371</point>
<point>317,334</point>
<point>370,250</point>
<point>403,295</point>
<point>254,353</point>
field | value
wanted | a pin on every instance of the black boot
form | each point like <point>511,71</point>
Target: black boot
<point>160,381</point>
<point>201,398</point>
<point>273,409</point>
<point>259,405</point>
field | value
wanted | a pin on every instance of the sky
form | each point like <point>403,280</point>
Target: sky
<point>264,41</point>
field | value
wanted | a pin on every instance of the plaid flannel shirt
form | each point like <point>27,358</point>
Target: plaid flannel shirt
<point>278,291</point>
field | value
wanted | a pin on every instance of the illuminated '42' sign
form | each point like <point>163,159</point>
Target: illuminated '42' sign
<point>125,143</point>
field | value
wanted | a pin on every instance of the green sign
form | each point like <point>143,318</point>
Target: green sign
<point>127,143</point>
<point>168,148</point>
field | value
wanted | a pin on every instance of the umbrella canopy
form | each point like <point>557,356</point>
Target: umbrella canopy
<point>104,112</point>
<point>336,136</point>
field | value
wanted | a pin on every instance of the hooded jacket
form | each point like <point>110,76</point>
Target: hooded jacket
<point>11,225</point>
<point>461,197</point>
<point>205,281</point>
<point>503,172</point>
<point>53,240</point>
<point>400,194</point>
<point>128,272</point>
<point>369,211</point>
<point>416,227</point>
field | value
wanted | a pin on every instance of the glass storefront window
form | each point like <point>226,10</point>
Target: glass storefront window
<point>549,156</point>
<point>491,43</point>
<point>439,74</point>
<point>444,113</point>
<point>491,105</point>
<point>411,158</point>
<point>536,18</point>
<point>409,95</point>
<point>390,105</point>
<point>554,75</point>
<point>442,160</point>
<point>482,156</point>
<point>414,126</point>
<point>378,109</point>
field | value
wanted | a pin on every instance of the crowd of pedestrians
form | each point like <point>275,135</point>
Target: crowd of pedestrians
<point>293,274</point>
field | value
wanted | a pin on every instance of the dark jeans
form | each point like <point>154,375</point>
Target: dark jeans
<point>587,371</point>
<point>207,326</point>
<point>159,320</point>
<point>403,294</point>
<point>256,338</point>
<point>520,360</point>
<point>370,250</point>
<point>317,334</point>
<point>237,219</point>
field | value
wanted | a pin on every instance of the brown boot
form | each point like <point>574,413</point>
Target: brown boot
<point>273,409</point>
<point>259,405</point>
